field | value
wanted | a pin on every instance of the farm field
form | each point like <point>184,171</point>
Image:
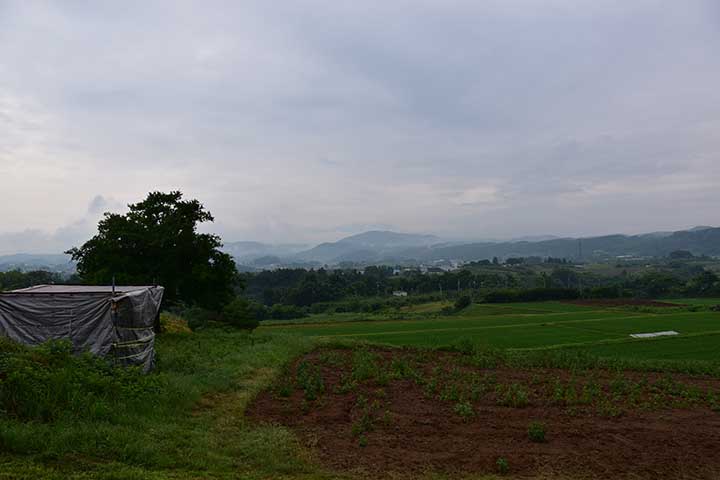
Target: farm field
<point>224,404</point>
<point>601,330</point>
<point>400,413</point>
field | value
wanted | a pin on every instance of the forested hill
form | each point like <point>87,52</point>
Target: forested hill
<point>699,241</point>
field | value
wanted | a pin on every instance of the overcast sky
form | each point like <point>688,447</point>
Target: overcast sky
<point>304,121</point>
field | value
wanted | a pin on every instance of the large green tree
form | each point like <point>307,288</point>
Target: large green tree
<point>157,242</point>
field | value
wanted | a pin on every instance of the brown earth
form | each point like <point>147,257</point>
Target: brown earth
<point>621,302</point>
<point>656,434</point>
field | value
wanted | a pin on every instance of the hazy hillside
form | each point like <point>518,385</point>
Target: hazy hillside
<point>699,241</point>
<point>368,247</point>
<point>27,262</point>
<point>247,252</point>
<point>398,247</point>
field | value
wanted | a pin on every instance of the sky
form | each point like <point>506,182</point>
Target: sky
<point>309,120</point>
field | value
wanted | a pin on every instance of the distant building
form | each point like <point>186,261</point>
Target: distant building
<point>400,293</point>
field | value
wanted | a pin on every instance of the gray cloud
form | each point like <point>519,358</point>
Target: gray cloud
<point>292,121</point>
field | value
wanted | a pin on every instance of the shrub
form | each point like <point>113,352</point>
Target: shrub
<point>536,432</point>
<point>241,313</point>
<point>462,302</point>
<point>198,318</point>
<point>286,312</point>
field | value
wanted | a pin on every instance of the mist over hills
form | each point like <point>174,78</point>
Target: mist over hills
<point>393,247</point>
<point>368,247</point>
<point>27,262</point>
<point>251,251</point>
<point>376,247</point>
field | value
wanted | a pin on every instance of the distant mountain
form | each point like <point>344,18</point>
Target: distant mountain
<point>393,247</point>
<point>370,246</point>
<point>27,262</point>
<point>247,252</point>
<point>704,241</point>
<point>390,247</point>
<point>534,238</point>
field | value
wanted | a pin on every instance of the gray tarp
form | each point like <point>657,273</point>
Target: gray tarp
<point>92,318</point>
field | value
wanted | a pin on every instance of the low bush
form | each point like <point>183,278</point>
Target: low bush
<point>198,318</point>
<point>241,313</point>
<point>49,383</point>
<point>286,312</point>
<point>462,302</point>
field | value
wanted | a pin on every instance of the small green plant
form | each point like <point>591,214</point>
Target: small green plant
<point>512,396</point>
<point>309,378</point>
<point>284,390</point>
<point>502,465</point>
<point>464,410</point>
<point>362,441</point>
<point>536,432</point>
<point>364,366</point>
<point>363,424</point>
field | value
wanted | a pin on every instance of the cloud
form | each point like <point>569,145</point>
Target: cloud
<point>291,120</point>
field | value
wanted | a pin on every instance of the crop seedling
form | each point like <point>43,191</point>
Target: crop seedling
<point>364,366</point>
<point>310,380</point>
<point>536,432</point>
<point>284,390</point>
<point>512,396</point>
<point>502,465</point>
<point>362,425</point>
<point>464,410</point>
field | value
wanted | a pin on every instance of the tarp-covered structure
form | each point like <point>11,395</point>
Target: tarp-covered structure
<point>116,322</point>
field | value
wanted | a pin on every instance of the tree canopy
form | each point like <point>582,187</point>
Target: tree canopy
<point>157,242</point>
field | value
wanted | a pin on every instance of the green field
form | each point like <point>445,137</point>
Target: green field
<point>603,331</point>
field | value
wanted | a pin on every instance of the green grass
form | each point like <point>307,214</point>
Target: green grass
<point>193,429</point>
<point>694,301</point>
<point>535,325</point>
<point>702,347</point>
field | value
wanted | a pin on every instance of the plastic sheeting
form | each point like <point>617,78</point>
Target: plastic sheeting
<point>118,326</point>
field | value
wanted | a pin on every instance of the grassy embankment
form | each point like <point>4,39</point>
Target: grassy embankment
<point>65,417</point>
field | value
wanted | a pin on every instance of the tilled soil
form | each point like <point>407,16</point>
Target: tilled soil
<point>394,425</point>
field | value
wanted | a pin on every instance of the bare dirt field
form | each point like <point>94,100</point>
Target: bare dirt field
<point>404,412</point>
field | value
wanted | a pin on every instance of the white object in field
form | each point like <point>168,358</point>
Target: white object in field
<point>654,334</point>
